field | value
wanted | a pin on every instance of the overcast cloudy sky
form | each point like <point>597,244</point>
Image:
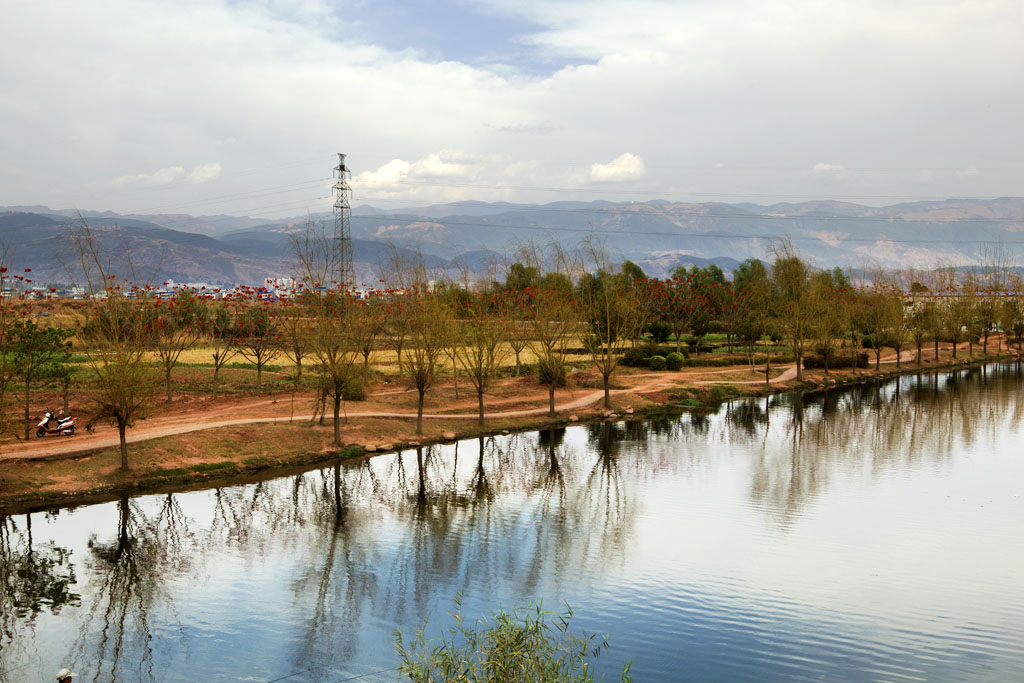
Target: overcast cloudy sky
<point>237,107</point>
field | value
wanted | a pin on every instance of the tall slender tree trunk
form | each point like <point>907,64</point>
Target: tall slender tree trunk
<point>419,413</point>
<point>936,340</point>
<point>551,400</point>
<point>28,420</point>
<point>337,416</point>
<point>121,427</point>
<point>259,376</point>
<point>216,379</point>
<point>480,407</point>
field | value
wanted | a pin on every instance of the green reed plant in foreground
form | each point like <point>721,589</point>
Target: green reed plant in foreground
<point>525,644</point>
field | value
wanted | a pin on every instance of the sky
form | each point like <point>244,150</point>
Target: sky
<point>220,106</point>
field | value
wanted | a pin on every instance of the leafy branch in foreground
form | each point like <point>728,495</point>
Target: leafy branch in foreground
<point>518,645</point>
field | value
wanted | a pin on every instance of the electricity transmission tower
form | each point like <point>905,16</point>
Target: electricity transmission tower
<point>342,217</point>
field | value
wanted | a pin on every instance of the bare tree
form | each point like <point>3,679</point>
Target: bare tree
<point>332,343</point>
<point>222,330</point>
<point>401,274</point>
<point>333,320</point>
<point>612,306</point>
<point>117,331</point>
<point>794,312</point>
<point>481,346</point>
<point>258,339</point>
<point>429,328</point>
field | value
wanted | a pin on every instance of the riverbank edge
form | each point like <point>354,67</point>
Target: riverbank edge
<point>230,473</point>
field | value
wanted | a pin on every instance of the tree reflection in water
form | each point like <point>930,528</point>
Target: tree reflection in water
<point>879,427</point>
<point>33,580</point>
<point>126,590</point>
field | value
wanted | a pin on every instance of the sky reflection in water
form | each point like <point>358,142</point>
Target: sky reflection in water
<point>870,534</point>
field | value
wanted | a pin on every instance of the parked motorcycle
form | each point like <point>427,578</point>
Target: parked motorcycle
<point>65,426</point>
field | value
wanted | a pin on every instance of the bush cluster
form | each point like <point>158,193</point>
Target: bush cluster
<point>639,356</point>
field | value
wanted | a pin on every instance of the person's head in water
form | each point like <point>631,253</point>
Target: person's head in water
<point>64,675</point>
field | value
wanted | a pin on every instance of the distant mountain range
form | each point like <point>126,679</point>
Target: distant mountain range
<point>658,235</point>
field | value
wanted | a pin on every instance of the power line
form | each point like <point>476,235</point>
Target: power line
<point>248,194</point>
<point>767,216</point>
<point>648,192</point>
<point>720,235</point>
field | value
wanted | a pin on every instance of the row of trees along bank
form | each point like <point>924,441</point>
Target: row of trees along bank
<point>558,305</point>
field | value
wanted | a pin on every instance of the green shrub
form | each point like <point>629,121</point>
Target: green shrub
<point>660,331</point>
<point>355,387</point>
<point>721,393</point>
<point>513,646</point>
<point>657,362</point>
<point>674,361</point>
<point>634,357</point>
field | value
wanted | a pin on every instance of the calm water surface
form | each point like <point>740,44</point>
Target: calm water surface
<point>873,534</point>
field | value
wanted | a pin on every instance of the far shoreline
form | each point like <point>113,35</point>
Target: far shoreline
<point>208,459</point>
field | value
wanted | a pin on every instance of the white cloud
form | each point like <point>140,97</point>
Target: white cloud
<point>625,167</point>
<point>434,166</point>
<point>198,174</point>
<point>392,172</point>
<point>204,172</point>
<point>161,177</point>
<point>835,171</point>
<point>969,172</point>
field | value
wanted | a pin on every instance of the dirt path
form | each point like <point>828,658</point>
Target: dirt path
<point>183,424</point>
<point>278,409</point>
